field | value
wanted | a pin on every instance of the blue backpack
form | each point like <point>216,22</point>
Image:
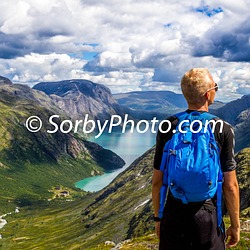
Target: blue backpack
<point>191,162</point>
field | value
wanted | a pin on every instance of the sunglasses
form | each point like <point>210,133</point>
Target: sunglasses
<point>216,87</point>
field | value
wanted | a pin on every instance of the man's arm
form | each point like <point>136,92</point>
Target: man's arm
<point>231,195</point>
<point>156,187</point>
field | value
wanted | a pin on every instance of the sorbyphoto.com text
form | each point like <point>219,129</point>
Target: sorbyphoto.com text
<point>87,126</point>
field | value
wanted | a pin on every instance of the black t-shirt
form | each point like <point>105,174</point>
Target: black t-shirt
<point>224,138</point>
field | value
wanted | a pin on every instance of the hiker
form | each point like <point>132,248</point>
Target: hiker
<point>188,222</point>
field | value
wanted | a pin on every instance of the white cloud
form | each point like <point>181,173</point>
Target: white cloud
<point>140,44</point>
<point>34,68</point>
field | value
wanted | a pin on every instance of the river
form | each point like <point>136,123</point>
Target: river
<point>128,146</point>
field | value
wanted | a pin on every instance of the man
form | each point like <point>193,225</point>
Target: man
<point>194,225</point>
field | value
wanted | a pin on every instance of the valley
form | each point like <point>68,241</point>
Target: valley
<point>38,171</point>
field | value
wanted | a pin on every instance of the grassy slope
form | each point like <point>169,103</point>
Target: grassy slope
<point>60,225</point>
<point>150,242</point>
<point>27,167</point>
<point>55,225</point>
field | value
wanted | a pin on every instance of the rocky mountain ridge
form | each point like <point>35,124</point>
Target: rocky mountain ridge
<point>237,114</point>
<point>80,97</point>
<point>232,110</point>
<point>4,80</point>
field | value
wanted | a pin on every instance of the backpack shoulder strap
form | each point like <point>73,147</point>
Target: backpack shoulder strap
<point>208,116</point>
<point>182,115</point>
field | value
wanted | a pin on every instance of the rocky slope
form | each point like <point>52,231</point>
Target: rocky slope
<point>243,175</point>
<point>31,163</point>
<point>242,130</point>
<point>80,97</point>
<point>232,110</point>
<point>4,80</point>
<point>237,114</point>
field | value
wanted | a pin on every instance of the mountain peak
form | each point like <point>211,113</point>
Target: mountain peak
<point>62,88</point>
<point>4,80</point>
<point>78,97</point>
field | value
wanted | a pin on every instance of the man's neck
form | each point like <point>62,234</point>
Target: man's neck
<point>198,107</point>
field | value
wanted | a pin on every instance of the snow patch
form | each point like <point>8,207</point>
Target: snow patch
<point>4,222</point>
<point>143,186</point>
<point>142,204</point>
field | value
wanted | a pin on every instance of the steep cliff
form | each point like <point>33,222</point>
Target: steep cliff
<point>80,97</point>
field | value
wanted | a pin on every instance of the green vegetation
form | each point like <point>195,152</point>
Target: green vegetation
<point>32,163</point>
<point>57,225</point>
<point>32,183</point>
<point>150,242</point>
<point>113,214</point>
<point>49,225</point>
<point>244,235</point>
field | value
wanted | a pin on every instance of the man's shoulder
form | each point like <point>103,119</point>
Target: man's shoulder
<point>173,122</point>
<point>227,127</point>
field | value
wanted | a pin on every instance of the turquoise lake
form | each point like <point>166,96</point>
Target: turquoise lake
<point>129,146</point>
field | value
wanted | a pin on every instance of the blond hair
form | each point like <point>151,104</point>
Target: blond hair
<point>195,83</point>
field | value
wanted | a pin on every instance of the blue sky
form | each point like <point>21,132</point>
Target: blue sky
<point>126,45</point>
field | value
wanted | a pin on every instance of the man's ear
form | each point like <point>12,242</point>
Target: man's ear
<point>207,95</point>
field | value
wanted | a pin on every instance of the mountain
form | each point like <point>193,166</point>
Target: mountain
<point>38,166</point>
<point>4,80</point>
<point>216,105</point>
<point>242,130</point>
<point>232,110</point>
<point>106,215</point>
<point>31,164</point>
<point>80,97</point>
<point>237,114</point>
<point>149,104</point>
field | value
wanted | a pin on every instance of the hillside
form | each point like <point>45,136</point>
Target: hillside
<point>232,110</point>
<point>4,80</point>
<point>123,210</point>
<point>242,130</point>
<point>243,175</point>
<point>149,104</point>
<point>80,97</point>
<point>32,163</point>
<point>106,215</point>
<point>157,101</point>
<point>237,114</point>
